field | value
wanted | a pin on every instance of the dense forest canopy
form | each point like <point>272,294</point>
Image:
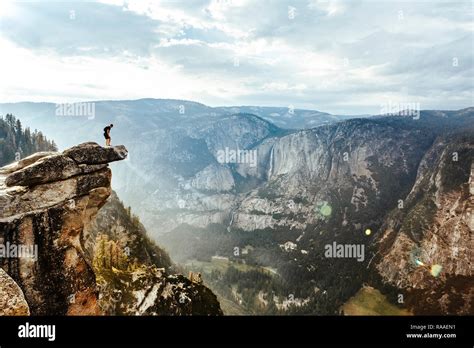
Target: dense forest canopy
<point>16,142</point>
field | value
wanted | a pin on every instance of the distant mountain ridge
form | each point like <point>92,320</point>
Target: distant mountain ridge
<point>156,113</point>
<point>309,188</point>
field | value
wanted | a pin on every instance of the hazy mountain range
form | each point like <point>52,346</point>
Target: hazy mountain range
<point>306,180</point>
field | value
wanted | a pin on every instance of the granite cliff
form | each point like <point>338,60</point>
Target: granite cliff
<point>426,248</point>
<point>48,205</point>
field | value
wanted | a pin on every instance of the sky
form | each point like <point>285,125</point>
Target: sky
<point>342,57</point>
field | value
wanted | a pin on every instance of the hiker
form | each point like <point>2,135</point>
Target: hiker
<point>107,134</point>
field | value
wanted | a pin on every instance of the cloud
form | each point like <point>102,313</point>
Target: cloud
<point>71,28</point>
<point>335,56</point>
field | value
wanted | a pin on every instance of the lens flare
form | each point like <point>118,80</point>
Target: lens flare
<point>325,209</point>
<point>419,263</point>
<point>436,270</point>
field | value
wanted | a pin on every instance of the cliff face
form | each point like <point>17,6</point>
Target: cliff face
<point>357,168</point>
<point>361,162</point>
<point>426,249</point>
<point>48,201</point>
<point>48,205</point>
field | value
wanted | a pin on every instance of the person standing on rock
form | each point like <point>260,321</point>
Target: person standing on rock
<point>107,134</point>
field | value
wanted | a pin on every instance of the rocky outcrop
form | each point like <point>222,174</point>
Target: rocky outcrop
<point>48,201</point>
<point>91,153</point>
<point>12,301</point>
<point>148,290</point>
<point>66,261</point>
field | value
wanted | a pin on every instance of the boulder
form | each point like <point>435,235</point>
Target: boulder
<point>93,153</point>
<point>47,169</point>
<point>12,301</point>
<point>25,162</point>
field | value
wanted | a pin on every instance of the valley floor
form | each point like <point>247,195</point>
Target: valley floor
<point>370,301</point>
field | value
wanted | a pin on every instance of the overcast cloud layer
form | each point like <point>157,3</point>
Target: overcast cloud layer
<point>334,56</point>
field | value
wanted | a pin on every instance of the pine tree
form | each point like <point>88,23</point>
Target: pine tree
<point>16,141</point>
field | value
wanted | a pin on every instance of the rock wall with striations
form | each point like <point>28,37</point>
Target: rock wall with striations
<point>47,202</point>
<point>48,206</point>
